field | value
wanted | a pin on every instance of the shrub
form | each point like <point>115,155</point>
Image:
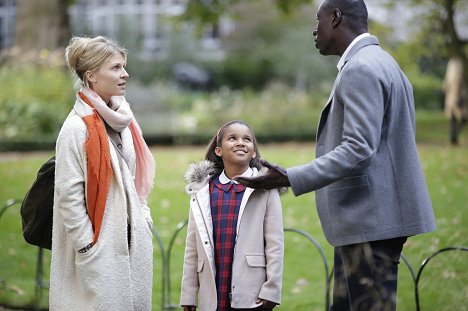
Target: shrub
<point>427,91</point>
<point>277,113</point>
<point>34,104</point>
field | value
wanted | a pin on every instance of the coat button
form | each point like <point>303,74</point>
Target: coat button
<point>119,146</point>
<point>206,242</point>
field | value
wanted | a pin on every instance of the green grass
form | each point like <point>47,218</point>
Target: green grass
<point>444,283</point>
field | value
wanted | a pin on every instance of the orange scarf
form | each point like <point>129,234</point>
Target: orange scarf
<point>99,168</point>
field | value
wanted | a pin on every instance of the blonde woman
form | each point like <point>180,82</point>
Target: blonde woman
<point>102,251</point>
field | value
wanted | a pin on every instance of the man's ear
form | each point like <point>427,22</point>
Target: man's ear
<point>336,17</point>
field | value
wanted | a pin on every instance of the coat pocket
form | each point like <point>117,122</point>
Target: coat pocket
<point>352,206</point>
<point>201,263</point>
<point>256,260</point>
<point>350,182</point>
<point>253,277</point>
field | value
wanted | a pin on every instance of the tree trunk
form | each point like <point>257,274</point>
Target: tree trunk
<point>456,49</point>
<point>42,27</point>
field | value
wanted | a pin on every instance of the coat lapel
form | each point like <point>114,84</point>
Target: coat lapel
<point>245,198</point>
<point>326,110</point>
<point>202,214</point>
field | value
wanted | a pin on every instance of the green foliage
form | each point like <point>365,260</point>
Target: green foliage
<point>433,127</point>
<point>297,62</point>
<point>39,100</point>
<point>203,12</point>
<point>427,91</point>
<point>241,72</point>
<point>34,103</point>
<point>268,45</point>
<point>249,46</point>
<point>277,113</point>
<point>429,45</point>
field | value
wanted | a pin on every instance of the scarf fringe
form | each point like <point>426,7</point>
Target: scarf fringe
<point>146,165</point>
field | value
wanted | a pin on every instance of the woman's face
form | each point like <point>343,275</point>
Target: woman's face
<point>110,79</point>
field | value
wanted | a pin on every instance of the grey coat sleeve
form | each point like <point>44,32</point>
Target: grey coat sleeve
<point>355,117</point>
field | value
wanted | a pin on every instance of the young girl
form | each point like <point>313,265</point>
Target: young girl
<point>234,248</point>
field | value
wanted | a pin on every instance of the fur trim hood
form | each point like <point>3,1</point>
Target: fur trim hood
<point>198,175</point>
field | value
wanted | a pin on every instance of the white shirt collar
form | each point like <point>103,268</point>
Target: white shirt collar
<point>225,180</point>
<point>343,57</point>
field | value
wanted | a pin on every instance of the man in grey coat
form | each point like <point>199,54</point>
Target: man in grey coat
<point>371,193</point>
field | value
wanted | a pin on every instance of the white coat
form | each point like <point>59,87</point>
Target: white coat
<point>258,255</point>
<point>109,276</point>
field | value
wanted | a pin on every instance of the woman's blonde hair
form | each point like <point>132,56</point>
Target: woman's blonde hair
<point>83,54</point>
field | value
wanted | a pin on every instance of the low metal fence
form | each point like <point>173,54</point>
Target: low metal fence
<point>166,282</point>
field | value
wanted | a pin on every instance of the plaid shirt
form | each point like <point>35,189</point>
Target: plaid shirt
<point>225,201</point>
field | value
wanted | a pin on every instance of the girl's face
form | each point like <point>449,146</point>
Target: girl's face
<point>110,79</point>
<point>237,146</point>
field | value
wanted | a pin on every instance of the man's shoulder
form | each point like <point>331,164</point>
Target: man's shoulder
<point>369,57</point>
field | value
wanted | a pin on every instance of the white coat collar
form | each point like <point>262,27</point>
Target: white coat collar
<point>225,180</point>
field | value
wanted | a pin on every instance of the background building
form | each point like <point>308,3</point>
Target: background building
<point>7,22</point>
<point>145,25</point>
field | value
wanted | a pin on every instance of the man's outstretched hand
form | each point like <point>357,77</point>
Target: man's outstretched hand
<point>275,177</point>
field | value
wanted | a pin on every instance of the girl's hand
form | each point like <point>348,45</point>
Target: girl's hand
<point>189,308</point>
<point>266,304</point>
